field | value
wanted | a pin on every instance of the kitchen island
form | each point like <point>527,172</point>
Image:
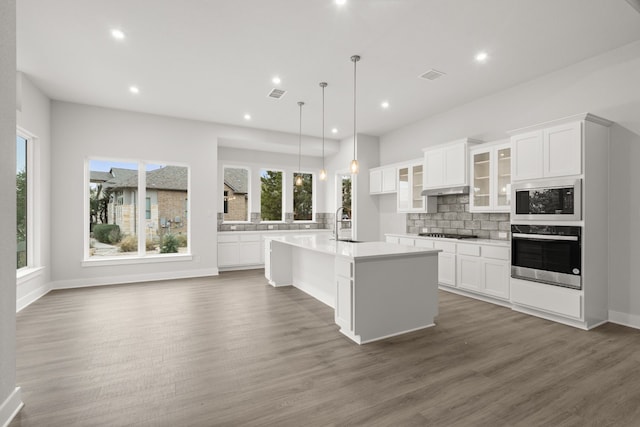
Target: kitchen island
<point>377,289</point>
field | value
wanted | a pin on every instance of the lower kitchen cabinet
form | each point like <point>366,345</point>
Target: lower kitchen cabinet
<point>240,250</point>
<point>484,269</point>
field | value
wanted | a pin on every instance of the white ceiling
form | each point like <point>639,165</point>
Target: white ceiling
<point>213,60</point>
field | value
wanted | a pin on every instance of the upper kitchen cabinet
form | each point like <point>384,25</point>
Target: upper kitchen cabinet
<point>551,149</point>
<point>447,164</point>
<point>382,180</point>
<point>490,178</point>
<point>409,185</point>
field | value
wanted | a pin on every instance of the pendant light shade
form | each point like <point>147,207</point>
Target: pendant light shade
<point>354,167</point>
<point>323,171</point>
<point>299,174</point>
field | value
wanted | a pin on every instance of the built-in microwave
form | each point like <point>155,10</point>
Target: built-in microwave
<point>554,200</point>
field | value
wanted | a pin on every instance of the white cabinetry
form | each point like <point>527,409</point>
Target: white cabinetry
<point>382,180</point>
<point>490,178</point>
<point>484,269</point>
<point>228,250</point>
<point>481,269</point>
<point>549,152</point>
<point>344,294</point>
<point>447,164</point>
<point>446,262</point>
<point>409,187</point>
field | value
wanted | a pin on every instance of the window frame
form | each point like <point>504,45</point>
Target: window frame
<point>284,195</point>
<point>313,196</point>
<point>248,195</point>
<point>140,200</point>
<point>33,233</point>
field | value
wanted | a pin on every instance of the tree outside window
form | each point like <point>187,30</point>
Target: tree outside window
<point>303,198</point>
<point>271,200</point>
<point>21,201</point>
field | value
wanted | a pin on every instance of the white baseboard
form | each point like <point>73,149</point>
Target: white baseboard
<point>624,319</point>
<point>32,297</point>
<point>133,278</point>
<point>10,407</point>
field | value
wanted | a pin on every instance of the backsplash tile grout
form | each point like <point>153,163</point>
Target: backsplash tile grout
<point>453,217</point>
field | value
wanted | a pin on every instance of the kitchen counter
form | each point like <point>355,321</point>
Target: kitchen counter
<point>377,289</point>
<point>494,242</point>
<point>325,244</point>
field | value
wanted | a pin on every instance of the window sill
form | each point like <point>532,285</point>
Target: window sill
<point>28,273</point>
<point>150,259</point>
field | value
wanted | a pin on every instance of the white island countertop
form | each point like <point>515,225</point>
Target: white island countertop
<point>363,250</point>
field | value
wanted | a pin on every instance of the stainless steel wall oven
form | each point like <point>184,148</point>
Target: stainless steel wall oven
<point>549,254</point>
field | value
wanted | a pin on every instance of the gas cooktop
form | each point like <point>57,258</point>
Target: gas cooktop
<point>447,235</point>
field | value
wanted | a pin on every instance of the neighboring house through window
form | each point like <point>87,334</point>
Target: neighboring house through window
<point>236,194</point>
<point>115,225</point>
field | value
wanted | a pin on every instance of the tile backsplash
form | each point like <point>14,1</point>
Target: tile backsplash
<point>453,217</point>
<point>324,220</point>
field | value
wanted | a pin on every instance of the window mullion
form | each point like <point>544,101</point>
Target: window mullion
<point>141,211</point>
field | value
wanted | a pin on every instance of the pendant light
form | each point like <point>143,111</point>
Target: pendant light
<point>299,176</point>
<point>323,171</point>
<point>354,167</point>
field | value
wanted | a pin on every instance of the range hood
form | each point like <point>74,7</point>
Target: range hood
<point>445,191</point>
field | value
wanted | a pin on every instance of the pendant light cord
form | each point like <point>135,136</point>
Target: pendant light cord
<point>355,61</point>
<point>300,137</point>
<point>323,85</point>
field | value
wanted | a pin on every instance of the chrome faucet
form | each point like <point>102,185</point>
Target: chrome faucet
<point>337,221</point>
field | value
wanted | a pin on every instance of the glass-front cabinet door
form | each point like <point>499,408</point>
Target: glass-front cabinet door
<point>481,180</point>
<point>491,179</point>
<point>503,178</point>
<point>403,189</point>
<point>417,200</point>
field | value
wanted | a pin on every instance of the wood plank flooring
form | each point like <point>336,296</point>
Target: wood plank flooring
<point>231,350</point>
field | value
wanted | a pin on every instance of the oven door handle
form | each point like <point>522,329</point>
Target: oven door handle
<point>543,237</point>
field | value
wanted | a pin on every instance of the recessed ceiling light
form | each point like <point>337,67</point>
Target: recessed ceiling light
<point>134,89</point>
<point>276,80</point>
<point>340,2</point>
<point>247,116</point>
<point>334,130</point>
<point>482,56</point>
<point>385,105</point>
<point>117,34</point>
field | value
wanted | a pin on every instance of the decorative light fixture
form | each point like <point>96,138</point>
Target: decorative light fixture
<point>323,171</point>
<point>299,176</point>
<point>354,163</point>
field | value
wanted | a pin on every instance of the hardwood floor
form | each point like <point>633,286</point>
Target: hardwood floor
<point>231,350</point>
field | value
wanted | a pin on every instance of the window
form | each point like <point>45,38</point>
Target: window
<point>22,202</point>
<point>271,200</point>
<point>117,228</point>
<point>303,198</point>
<point>236,194</point>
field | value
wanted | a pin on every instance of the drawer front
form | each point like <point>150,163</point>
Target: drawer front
<point>445,246</point>
<point>250,237</point>
<point>496,252</point>
<point>470,250</point>
<point>227,238</point>
<point>405,241</point>
<point>344,267</point>
<point>423,243</point>
<point>392,239</point>
<point>565,302</point>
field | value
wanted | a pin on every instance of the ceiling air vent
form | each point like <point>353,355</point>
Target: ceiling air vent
<point>276,93</point>
<point>432,74</point>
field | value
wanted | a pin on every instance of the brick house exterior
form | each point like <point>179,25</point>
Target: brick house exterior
<point>236,203</point>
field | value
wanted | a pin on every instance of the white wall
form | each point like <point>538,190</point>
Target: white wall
<point>365,206</point>
<point>288,163</point>
<point>10,400</point>
<point>606,85</point>
<point>34,117</point>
